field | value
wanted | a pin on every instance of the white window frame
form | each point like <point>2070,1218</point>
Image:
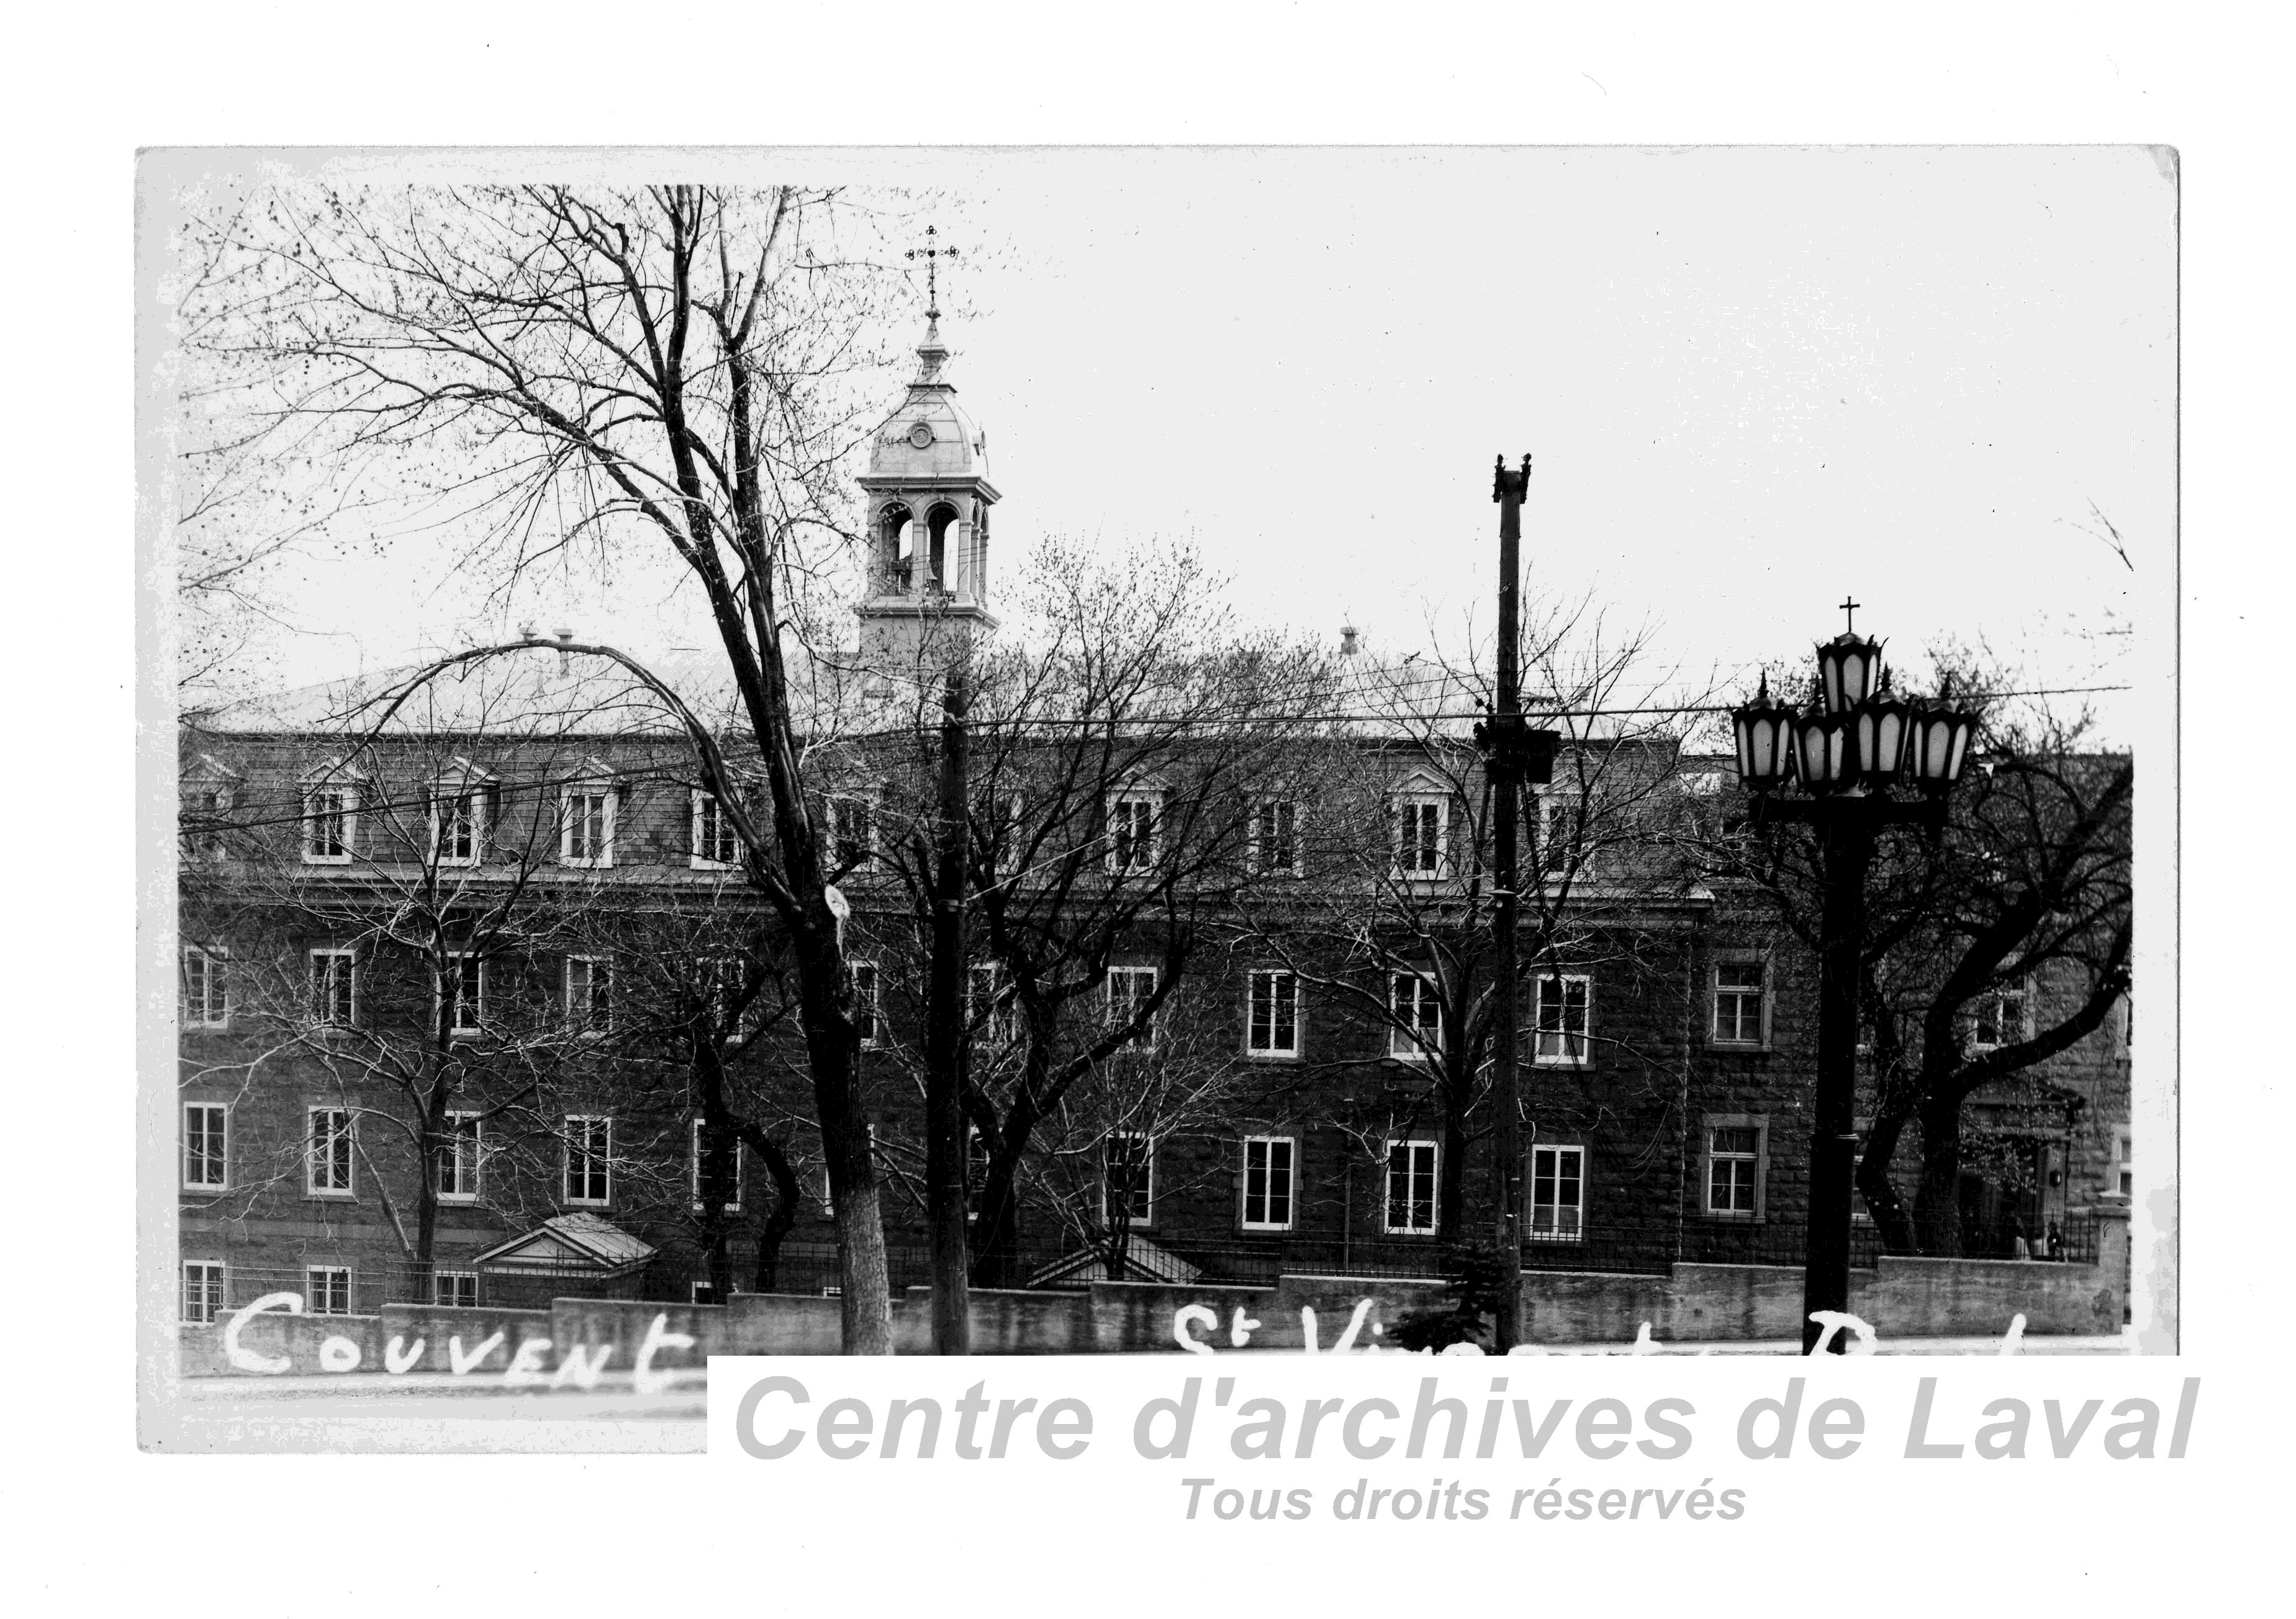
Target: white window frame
<point>1257,849</point>
<point>1761,1041</point>
<point>455,1155</point>
<point>1408,807</point>
<point>329,782</point>
<point>214,1291</point>
<point>842,808</point>
<point>1708,1157</point>
<point>711,829</point>
<point>469,787</point>
<point>1268,1172</point>
<point>319,975</point>
<point>475,1004</point>
<point>1998,1001</point>
<point>314,1184</point>
<point>700,1285</point>
<point>1135,857</point>
<point>1414,1147</point>
<point>1279,978</point>
<point>868,1002</point>
<point>1556,801</point>
<point>453,1278</point>
<point>1146,1039</point>
<point>218,1132</point>
<point>600,857</point>
<point>1405,1042</point>
<point>601,1159</point>
<point>1555,1233</point>
<point>312,1302</point>
<point>693,1168</point>
<point>211,1008</point>
<point>1146,1195</point>
<point>2124,1163</point>
<point>1584,1056</point>
<point>594,1016</point>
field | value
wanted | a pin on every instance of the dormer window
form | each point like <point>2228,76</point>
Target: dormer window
<point>1422,833</point>
<point>1134,832</point>
<point>1275,850</point>
<point>585,825</point>
<point>330,805</point>
<point>458,815</point>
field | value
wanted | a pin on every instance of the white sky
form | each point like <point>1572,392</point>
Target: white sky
<point>1752,380</point>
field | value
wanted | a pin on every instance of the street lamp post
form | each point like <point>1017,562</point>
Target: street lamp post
<point>1859,757</point>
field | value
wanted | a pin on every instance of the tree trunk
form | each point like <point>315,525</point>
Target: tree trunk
<point>833,1043</point>
<point>1937,1204</point>
<point>996,1233</point>
<point>779,1224</point>
<point>1890,1216</point>
<point>1451,1170</point>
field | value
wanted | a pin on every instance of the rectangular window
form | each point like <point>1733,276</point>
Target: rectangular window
<point>994,1019</point>
<point>590,993</point>
<point>455,1289</point>
<point>2003,1018</point>
<point>1558,1193</point>
<point>1127,1182</point>
<point>2125,1163</point>
<point>1411,1187</point>
<point>456,1168</point>
<point>1267,1182</point>
<point>852,833</point>
<point>715,841</point>
<point>206,1000</point>
<point>456,826</point>
<point>467,973</point>
<point>866,1012</point>
<point>327,1160</point>
<point>693,1171</point>
<point>589,1156</point>
<point>327,1290</point>
<point>1129,991</point>
<point>1563,815</point>
<point>1415,1026</point>
<point>330,824</point>
<point>1737,1159</point>
<point>1421,823</point>
<point>206,1167</point>
<point>1275,838</point>
<point>1275,1021</point>
<point>1740,1003</point>
<point>585,835</point>
<point>334,988</point>
<point>203,1294</point>
<point>1565,1007</point>
<point>1132,832</point>
<point>705,1293</point>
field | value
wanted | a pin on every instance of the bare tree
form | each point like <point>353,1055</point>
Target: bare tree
<point>1390,919</point>
<point>1120,739</point>
<point>554,371</point>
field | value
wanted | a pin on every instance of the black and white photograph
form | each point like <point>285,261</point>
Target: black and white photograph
<point>950,757</point>
<point>1240,809</point>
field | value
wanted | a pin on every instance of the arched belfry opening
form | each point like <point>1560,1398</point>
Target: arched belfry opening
<point>928,481</point>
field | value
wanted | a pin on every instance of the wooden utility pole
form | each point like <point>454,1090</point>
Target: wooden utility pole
<point>945,1041</point>
<point>1503,753</point>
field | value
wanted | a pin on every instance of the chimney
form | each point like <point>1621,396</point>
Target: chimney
<point>1346,640</point>
<point>565,639</point>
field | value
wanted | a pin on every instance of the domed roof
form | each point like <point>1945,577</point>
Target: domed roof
<point>929,438</point>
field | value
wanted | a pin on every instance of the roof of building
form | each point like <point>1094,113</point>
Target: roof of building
<point>579,1241</point>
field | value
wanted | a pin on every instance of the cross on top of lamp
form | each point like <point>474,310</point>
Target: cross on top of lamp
<point>1857,735</point>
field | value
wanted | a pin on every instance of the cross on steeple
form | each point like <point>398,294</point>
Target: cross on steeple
<point>1851,608</point>
<point>931,255</point>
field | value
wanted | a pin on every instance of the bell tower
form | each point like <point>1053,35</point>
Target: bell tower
<point>928,497</point>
